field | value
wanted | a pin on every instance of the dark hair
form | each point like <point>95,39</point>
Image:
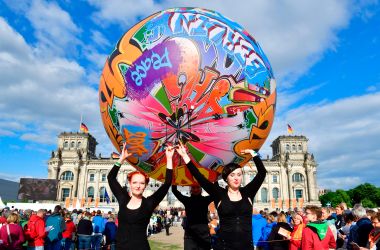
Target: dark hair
<point>315,210</point>
<point>229,168</point>
<point>57,209</point>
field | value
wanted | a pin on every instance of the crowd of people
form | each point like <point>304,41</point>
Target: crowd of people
<point>233,224</point>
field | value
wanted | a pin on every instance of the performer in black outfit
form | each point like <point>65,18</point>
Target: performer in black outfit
<point>197,234</point>
<point>234,203</point>
<point>135,210</point>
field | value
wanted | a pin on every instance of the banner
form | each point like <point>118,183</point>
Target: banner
<point>287,205</point>
<point>74,202</point>
<point>82,202</point>
<point>272,203</point>
<point>67,202</point>
<point>89,200</point>
<point>280,203</point>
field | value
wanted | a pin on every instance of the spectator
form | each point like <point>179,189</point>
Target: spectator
<point>35,231</point>
<point>110,233</point>
<point>84,232</point>
<point>374,236</point>
<point>280,234</point>
<point>258,223</point>
<point>98,224</point>
<point>57,225</point>
<point>317,234</point>
<point>360,231</point>
<point>271,222</point>
<point>11,234</point>
<point>296,235</point>
<point>68,236</point>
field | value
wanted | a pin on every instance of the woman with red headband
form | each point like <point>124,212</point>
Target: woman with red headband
<point>234,203</point>
<point>134,209</point>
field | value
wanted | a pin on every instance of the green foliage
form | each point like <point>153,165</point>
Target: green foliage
<point>366,194</point>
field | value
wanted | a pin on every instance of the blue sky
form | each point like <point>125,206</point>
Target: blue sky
<point>325,56</point>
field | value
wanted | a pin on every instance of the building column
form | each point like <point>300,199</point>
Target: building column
<point>290,190</point>
<point>76,181</point>
<point>97,178</point>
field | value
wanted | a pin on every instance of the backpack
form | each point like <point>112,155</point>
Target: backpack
<point>30,231</point>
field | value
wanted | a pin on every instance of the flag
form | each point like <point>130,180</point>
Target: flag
<point>107,197</point>
<point>83,128</point>
<point>290,129</point>
<point>115,155</point>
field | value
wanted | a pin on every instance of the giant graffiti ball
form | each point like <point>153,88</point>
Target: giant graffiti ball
<point>187,75</point>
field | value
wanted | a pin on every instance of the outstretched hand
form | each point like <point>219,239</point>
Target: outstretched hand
<point>124,153</point>
<point>169,151</point>
<point>181,150</point>
<point>249,151</point>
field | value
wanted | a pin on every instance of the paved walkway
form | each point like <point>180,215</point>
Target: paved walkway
<point>175,237</point>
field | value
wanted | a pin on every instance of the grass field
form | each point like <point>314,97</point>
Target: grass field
<point>154,245</point>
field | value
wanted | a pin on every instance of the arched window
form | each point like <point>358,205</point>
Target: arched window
<point>293,147</point>
<point>72,144</point>
<point>102,194</point>
<point>79,143</point>
<point>275,193</point>
<point>67,176</point>
<point>264,195</point>
<point>66,144</point>
<point>297,177</point>
<point>299,147</point>
<point>287,147</point>
<point>90,192</point>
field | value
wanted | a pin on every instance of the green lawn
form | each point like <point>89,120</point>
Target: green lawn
<point>154,245</point>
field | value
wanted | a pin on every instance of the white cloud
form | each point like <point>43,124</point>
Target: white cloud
<point>42,96</point>
<point>343,135</point>
<point>293,34</point>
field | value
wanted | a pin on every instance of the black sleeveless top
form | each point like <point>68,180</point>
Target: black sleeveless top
<point>235,217</point>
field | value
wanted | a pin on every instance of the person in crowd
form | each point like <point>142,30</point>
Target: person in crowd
<point>110,230</point>
<point>267,229</point>
<point>296,235</point>
<point>11,233</point>
<point>34,231</point>
<point>258,223</point>
<point>84,231</point>
<point>374,235</point>
<point>213,226</point>
<point>234,203</point>
<point>339,210</point>
<point>56,225</point>
<point>359,232</point>
<point>135,210</point>
<point>280,234</point>
<point>196,206</point>
<point>317,234</point>
<point>167,224</point>
<point>68,235</point>
<point>326,217</point>
<point>98,224</point>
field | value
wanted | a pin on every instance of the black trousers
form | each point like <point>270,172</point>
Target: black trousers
<point>197,237</point>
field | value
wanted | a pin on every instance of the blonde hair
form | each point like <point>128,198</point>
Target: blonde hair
<point>270,218</point>
<point>13,218</point>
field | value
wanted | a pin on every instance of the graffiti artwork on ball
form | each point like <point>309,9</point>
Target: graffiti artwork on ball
<point>188,75</point>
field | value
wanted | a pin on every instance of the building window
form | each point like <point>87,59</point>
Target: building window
<point>79,143</point>
<point>102,194</point>
<point>299,147</point>
<point>275,193</point>
<point>299,193</point>
<point>293,147</point>
<point>66,144</point>
<point>104,177</point>
<point>297,177</point>
<point>264,195</point>
<point>90,192</point>
<point>287,147</point>
<point>65,193</point>
<point>91,177</point>
<point>67,176</point>
<point>274,178</point>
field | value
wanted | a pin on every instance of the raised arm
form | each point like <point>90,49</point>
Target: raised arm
<point>253,186</point>
<point>210,188</point>
<point>157,197</point>
<point>178,194</point>
<point>115,186</point>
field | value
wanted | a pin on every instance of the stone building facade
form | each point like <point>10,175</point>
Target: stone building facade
<point>290,181</point>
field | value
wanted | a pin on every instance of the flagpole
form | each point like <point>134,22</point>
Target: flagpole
<point>80,124</point>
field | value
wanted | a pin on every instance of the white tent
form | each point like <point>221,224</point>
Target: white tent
<point>2,205</point>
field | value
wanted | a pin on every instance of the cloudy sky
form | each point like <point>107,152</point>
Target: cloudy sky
<point>324,55</point>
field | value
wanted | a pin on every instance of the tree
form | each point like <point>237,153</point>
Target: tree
<point>334,198</point>
<point>366,192</point>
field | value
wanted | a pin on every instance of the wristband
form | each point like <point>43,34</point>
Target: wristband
<point>118,164</point>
